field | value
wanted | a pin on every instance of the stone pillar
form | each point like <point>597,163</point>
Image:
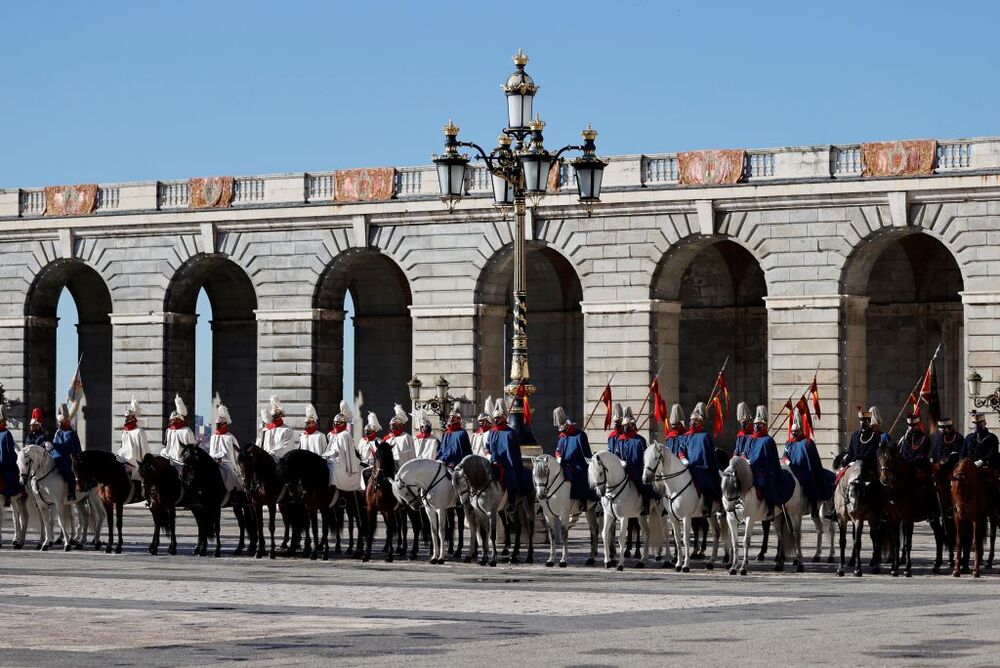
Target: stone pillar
<point>445,344</point>
<point>139,354</point>
<point>40,367</point>
<point>805,335</point>
<point>854,363</point>
<point>630,339</point>
<point>95,349</point>
<point>383,354</point>
<point>234,373</point>
<point>14,373</point>
<point>328,362</point>
<point>981,349</point>
<point>287,365</point>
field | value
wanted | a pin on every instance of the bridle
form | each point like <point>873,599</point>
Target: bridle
<point>421,493</point>
<point>612,491</point>
<point>547,492</point>
<point>663,477</point>
<point>30,474</point>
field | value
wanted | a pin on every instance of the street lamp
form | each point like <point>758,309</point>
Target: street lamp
<point>519,167</point>
<point>975,382</point>
<point>438,404</point>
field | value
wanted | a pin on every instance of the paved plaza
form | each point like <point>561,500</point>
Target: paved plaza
<point>96,609</point>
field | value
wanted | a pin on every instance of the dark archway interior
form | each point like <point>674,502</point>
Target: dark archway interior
<point>913,284</point>
<point>383,334</point>
<point>93,303</point>
<point>555,336</point>
<point>721,290</point>
<point>234,339</point>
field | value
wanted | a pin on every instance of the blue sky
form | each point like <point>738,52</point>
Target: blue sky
<point>126,91</point>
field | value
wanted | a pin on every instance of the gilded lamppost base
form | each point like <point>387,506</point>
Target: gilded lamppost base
<point>517,391</point>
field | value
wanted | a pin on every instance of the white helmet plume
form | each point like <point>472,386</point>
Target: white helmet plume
<point>222,414</point>
<point>311,414</point>
<point>399,415</point>
<point>373,422</point>
<point>276,407</point>
<point>559,419</point>
<point>345,410</point>
<point>676,414</point>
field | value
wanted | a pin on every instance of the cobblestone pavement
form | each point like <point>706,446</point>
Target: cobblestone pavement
<point>84,608</point>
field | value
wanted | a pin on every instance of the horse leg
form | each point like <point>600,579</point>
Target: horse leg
<point>644,532</point>
<point>595,533</point>
<point>843,546</point>
<point>172,520</point>
<point>238,514</point>
<point>993,537</point>
<point>494,518</point>
<point>552,526</point>
<point>733,534</point>
<point>716,530</point>
<point>747,533</point>
<point>685,565</point>
<point>859,531</point>
<point>875,533</point>
<point>978,538</point>
<point>119,508</point>
<point>392,531</point>
<point>766,530</point>
<point>460,525</point>
<point>515,521</point>
<point>110,510</point>
<point>216,516</point>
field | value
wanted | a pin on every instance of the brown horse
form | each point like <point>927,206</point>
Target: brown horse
<point>942,519</point>
<point>379,498</point>
<point>163,490</point>
<point>909,497</point>
<point>856,500</point>
<point>114,486</point>
<point>970,494</point>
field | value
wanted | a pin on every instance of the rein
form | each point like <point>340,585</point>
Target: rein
<point>421,494</point>
<point>546,494</point>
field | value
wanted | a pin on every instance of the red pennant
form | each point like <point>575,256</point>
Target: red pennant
<point>724,390</point>
<point>814,391</point>
<point>606,400</point>
<point>659,405</point>
<point>716,403</point>
<point>807,428</point>
<point>523,393</point>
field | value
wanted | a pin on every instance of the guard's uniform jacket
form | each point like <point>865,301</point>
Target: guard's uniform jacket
<point>177,438</point>
<point>9,473</point>
<point>505,453</point>
<point>631,450</point>
<point>699,449</point>
<point>403,447</point>
<point>37,438</point>
<point>133,448</point>
<point>945,449</point>
<point>455,446</point>
<point>276,439</point>
<point>865,449</point>
<point>674,440</point>
<point>480,442</point>
<point>614,444</point>
<point>805,463</point>
<point>572,451</point>
<point>981,445</point>
<point>742,443</point>
<point>342,460</point>
<point>915,446</point>
<point>66,446</point>
<point>426,447</point>
<point>762,454</point>
<point>222,447</point>
<point>313,440</point>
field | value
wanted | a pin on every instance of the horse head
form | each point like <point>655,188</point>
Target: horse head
<point>541,472</point>
<point>888,461</point>
<point>652,460</point>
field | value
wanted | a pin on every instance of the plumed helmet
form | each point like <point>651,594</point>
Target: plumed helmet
<point>743,412</point>
<point>863,414</point>
<point>311,414</point>
<point>945,422</point>
<point>222,415</point>
<point>617,414</point>
<point>487,410</point>
<point>876,416</point>
<point>421,419</point>
<point>761,416</point>
<point>628,418</point>
<point>62,413</point>
<point>913,416</point>
<point>977,417</point>
<point>132,410</point>
<point>559,419</point>
<point>276,407</point>
<point>36,416</point>
<point>181,409</point>
<point>499,409</point>
<point>398,415</point>
<point>345,410</point>
<point>797,420</point>
<point>372,424</point>
<point>699,411</point>
<point>264,419</point>
<point>456,410</point>
<point>676,414</point>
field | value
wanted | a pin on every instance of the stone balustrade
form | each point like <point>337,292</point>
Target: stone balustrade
<point>789,164</point>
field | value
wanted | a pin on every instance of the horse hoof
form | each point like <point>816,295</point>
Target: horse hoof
<point>45,548</point>
<point>936,570</point>
<point>640,564</point>
<point>68,548</point>
<point>830,560</point>
<point>678,568</point>
<point>709,566</point>
<point>685,569</point>
<point>504,552</point>
<point>562,564</point>
<point>957,573</point>
<point>779,567</point>
<point>109,549</point>
<point>816,559</point>
<point>313,557</point>
<point>550,564</point>
<point>364,560</point>
<point>589,562</point>
<point>743,571</point>
<point>238,552</point>
<point>172,551</point>
<point>894,573</point>
<point>493,563</point>
<point>800,569</point>
<point>620,567</point>
<point>529,559</point>
<point>857,573</point>
<point>388,558</point>
<point>118,549</point>
<point>732,571</point>
<point>840,572</point>
<point>876,570</point>
<point>908,573</point>
<point>217,554</point>
<point>975,573</point>
<point>513,560</point>
<point>272,555</point>
<point>17,546</point>
<point>760,556</point>
<point>608,565</point>
<point>467,559</point>
<point>153,551</point>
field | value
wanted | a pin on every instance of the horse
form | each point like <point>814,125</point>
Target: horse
<point>427,483</point>
<point>560,511</point>
<point>909,501</point>
<point>49,491</point>
<point>673,481</point>
<point>305,475</point>
<point>621,500</point>
<point>94,468</point>
<point>482,498</point>
<point>260,479</point>
<point>855,500</point>
<point>970,494</point>
<point>380,499</point>
<point>206,494</point>
<point>942,518</point>
<point>742,505</point>
<point>164,491</point>
<point>19,510</point>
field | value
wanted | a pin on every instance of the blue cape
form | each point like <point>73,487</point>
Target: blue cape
<point>455,446</point>
<point>768,476</point>
<point>805,463</point>
<point>699,449</point>
<point>505,452</point>
<point>574,450</point>
<point>8,465</point>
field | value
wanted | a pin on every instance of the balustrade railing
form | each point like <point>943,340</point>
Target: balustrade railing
<point>172,194</point>
<point>845,161</point>
<point>248,189</point>
<point>759,165</point>
<point>659,170</point>
<point>319,187</point>
<point>954,155</point>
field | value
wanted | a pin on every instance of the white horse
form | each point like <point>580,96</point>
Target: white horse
<point>621,500</point>
<point>48,491</point>
<point>672,479</point>
<point>427,482</point>
<point>561,512</point>
<point>482,497</point>
<point>739,498</point>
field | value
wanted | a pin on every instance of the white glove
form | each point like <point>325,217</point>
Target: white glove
<point>979,463</point>
<point>684,461</point>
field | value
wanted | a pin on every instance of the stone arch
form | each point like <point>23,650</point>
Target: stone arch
<point>555,333</point>
<point>383,332</point>
<point>94,306</point>
<point>710,291</point>
<point>903,296</point>
<point>234,338</point>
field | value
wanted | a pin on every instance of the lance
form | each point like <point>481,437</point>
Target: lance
<point>598,404</point>
<point>785,417</point>
<point>913,392</point>
<point>649,393</point>
<point>715,386</point>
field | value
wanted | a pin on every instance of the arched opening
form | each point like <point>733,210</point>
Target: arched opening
<point>46,342</point>
<point>909,286</point>
<point>716,289</point>
<point>371,354</point>
<point>555,335</point>
<point>233,334</point>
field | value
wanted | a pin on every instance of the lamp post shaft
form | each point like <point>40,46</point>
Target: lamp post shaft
<point>520,377</point>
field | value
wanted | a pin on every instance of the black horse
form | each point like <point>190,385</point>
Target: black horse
<point>260,478</point>
<point>205,494</point>
<point>305,476</point>
<point>163,490</point>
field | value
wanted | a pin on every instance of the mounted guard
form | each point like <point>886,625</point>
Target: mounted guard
<point>403,447</point>
<point>455,443</point>
<point>481,437</point>
<point>224,448</point>
<point>342,455</point>
<point>425,442</point>
<point>177,434</point>
<point>981,447</point>
<point>674,439</point>
<point>865,442</point>
<point>947,443</point>
<point>745,433</point>
<point>762,454</point>
<point>698,453</point>
<point>35,434</point>
<point>134,444</point>
<point>805,463</point>
<point>66,447</point>
<point>311,438</point>
<point>617,416</point>
<point>10,476</point>
<point>573,451</point>
<point>505,453</point>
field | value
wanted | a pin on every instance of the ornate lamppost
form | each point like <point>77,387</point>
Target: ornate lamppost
<point>438,404</point>
<point>519,167</point>
<point>975,385</point>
